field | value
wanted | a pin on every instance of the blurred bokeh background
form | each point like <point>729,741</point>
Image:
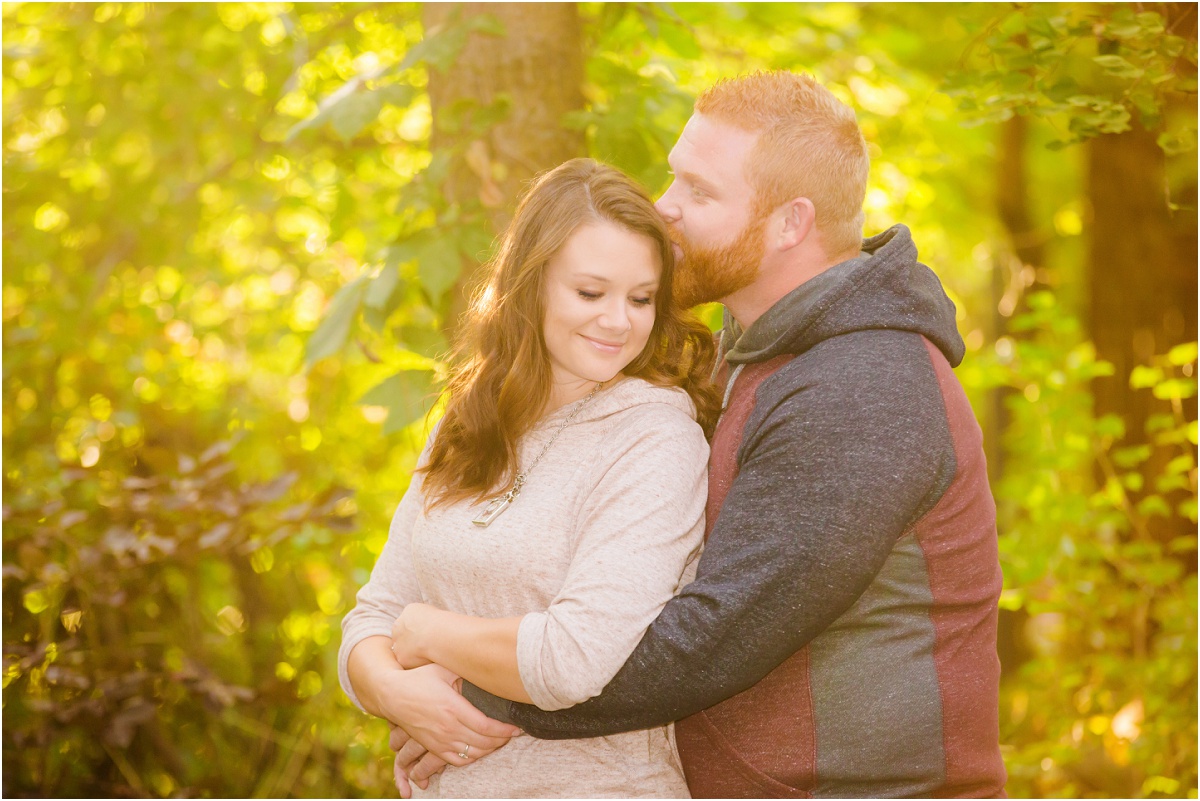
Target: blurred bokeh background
<point>237,239</point>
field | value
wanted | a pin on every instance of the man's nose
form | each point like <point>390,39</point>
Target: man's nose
<point>667,206</point>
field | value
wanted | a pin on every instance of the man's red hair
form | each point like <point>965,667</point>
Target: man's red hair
<point>810,146</point>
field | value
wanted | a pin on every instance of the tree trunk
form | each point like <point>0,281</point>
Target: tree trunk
<point>1017,271</point>
<point>1143,260</point>
<point>1143,266</point>
<point>536,68</point>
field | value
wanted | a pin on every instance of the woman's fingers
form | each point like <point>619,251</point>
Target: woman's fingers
<point>424,702</point>
<point>484,726</point>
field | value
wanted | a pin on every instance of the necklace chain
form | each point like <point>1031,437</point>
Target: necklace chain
<point>501,502</point>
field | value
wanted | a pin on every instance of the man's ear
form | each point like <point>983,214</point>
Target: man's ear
<point>799,220</point>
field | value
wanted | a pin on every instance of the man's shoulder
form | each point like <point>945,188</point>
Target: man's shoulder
<point>858,361</point>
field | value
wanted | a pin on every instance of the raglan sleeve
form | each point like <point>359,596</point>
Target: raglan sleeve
<point>391,586</point>
<point>831,473</point>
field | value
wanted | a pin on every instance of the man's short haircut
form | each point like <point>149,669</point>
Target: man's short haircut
<point>810,146</point>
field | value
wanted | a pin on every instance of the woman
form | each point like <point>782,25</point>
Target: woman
<point>562,494</point>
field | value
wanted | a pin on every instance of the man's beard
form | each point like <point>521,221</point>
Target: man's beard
<point>707,274</point>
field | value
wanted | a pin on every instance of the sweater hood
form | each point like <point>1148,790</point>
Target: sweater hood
<point>617,398</point>
<point>884,287</point>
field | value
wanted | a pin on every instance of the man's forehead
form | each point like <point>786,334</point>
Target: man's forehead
<point>714,144</point>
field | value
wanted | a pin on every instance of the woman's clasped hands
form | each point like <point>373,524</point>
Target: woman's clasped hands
<point>410,634</point>
<point>434,725</point>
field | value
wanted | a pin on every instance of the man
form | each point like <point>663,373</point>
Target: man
<point>839,638</point>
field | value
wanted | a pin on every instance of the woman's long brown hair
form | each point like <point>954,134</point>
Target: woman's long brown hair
<point>501,383</point>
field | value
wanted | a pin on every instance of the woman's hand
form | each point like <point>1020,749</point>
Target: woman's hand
<point>411,634</point>
<point>426,704</point>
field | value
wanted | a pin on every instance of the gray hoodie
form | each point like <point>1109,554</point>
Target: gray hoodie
<point>839,638</point>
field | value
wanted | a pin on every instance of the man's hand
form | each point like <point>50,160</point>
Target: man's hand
<point>410,634</point>
<point>425,702</point>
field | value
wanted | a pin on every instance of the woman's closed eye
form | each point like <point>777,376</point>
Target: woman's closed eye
<point>637,301</point>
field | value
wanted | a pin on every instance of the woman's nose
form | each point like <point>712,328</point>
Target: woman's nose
<point>615,316</point>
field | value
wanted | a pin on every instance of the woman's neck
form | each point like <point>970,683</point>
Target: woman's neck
<point>572,391</point>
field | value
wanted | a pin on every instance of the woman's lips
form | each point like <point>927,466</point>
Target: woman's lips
<point>604,346</point>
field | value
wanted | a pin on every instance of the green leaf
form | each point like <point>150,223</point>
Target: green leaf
<point>1110,425</point>
<point>1150,22</point>
<point>681,41</point>
<point>1174,143</point>
<point>405,395</point>
<point>1153,506</point>
<point>1159,422</point>
<point>438,265</point>
<point>1117,66</point>
<point>476,243</point>
<point>1188,509</point>
<point>1132,456</point>
<point>375,319</point>
<point>333,331</point>
<point>1183,544</point>
<point>36,601</point>
<point>438,50</point>
<point>1179,465</point>
<point>1172,45</point>
<point>1142,377</point>
<point>1133,481</point>
<point>428,342</point>
<point>1175,389</point>
<point>346,107</point>
<point>355,112</point>
<point>1169,483</point>
<point>1123,25</point>
<point>1182,354</point>
<point>382,287</point>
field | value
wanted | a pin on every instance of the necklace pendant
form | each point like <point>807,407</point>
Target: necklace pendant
<point>493,510</point>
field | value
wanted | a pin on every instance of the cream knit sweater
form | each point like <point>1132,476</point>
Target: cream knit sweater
<point>607,528</point>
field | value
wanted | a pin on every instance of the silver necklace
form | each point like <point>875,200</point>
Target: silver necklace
<point>497,505</point>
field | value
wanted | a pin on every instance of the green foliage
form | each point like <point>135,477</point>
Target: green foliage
<point>229,268</point>
<point>1089,68</point>
<point>1103,586</point>
<point>175,550</point>
<point>148,608</point>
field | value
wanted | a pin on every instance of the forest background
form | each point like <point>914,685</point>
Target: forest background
<point>237,239</point>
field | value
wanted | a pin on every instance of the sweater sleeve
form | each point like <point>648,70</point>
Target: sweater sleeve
<point>392,585</point>
<point>835,465</point>
<point>642,522</point>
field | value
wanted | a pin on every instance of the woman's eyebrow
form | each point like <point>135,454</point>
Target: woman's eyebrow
<point>605,280</point>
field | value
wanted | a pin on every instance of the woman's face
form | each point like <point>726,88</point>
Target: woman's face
<point>600,290</point>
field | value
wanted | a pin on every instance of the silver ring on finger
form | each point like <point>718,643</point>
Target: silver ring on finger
<point>465,753</point>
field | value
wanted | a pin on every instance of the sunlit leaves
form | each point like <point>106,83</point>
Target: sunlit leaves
<point>1086,561</point>
<point>407,395</point>
<point>335,326</point>
<point>1092,67</point>
<point>181,272</point>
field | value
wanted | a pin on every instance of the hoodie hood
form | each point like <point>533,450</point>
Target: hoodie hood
<point>885,287</point>
<point>617,398</point>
